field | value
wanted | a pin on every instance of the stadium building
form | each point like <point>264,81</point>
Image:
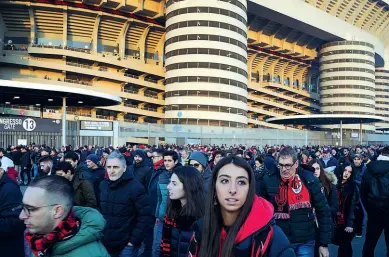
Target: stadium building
<point>219,64</point>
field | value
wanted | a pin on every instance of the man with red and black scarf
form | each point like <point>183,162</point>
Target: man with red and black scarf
<point>54,226</point>
<point>295,194</point>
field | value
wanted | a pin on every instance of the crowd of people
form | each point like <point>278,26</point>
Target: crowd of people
<point>193,200</point>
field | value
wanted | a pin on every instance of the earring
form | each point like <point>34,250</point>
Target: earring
<point>214,200</point>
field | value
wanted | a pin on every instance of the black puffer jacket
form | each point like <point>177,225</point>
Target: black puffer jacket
<point>11,227</point>
<point>180,240</point>
<point>17,157</point>
<point>26,161</point>
<point>301,226</point>
<point>124,205</point>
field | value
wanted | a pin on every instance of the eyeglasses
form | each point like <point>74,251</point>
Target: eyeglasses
<point>196,165</point>
<point>28,209</point>
<point>286,166</point>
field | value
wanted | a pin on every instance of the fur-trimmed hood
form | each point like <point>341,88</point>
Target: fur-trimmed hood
<point>331,177</point>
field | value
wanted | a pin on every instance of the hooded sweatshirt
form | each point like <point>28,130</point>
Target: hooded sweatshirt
<point>257,237</point>
<point>142,170</point>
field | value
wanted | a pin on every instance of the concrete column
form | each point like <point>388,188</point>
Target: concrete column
<point>360,133</point>
<point>116,133</point>
<point>65,27</point>
<point>64,121</point>
<point>341,133</point>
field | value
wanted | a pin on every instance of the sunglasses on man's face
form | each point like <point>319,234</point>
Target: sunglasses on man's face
<point>196,165</point>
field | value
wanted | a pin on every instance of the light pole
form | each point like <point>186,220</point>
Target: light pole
<point>64,121</point>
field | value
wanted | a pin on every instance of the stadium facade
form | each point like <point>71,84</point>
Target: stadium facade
<point>209,63</point>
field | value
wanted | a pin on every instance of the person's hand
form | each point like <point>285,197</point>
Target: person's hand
<point>129,244</point>
<point>349,230</point>
<point>323,251</point>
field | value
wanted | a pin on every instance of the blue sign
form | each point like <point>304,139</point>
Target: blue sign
<point>179,114</point>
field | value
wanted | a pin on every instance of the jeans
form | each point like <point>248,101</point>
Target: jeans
<point>148,244</point>
<point>128,251</point>
<point>364,225</point>
<point>35,170</point>
<point>28,171</point>
<point>306,249</point>
<point>157,238</point>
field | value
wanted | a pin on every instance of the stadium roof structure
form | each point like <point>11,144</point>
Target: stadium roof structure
<point>325,119</point>
<point>27,93</point>
<point>328,119</point>
<point>382,128</point>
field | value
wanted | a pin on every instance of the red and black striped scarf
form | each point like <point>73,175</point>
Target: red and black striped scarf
<point>292,195</point>
<point>168,225</point>
<point>41,244</point>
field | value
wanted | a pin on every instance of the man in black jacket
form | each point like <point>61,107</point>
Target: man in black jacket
<point>16,155</point>
<point>294,193</point>
<point>95,173</point>
<point>35,155</point>
<point>142,170</point>
<point>270,162</point>
<point>26,165</point>
<point>125,206</point>
<point>11,228</point>
<point>375,199</point>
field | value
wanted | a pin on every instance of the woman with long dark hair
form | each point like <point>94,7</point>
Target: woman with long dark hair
<point>237,223</point>
<point>304,157</point>
<point>185,206</point>
<point>329,181</point>
<point>348,200</point>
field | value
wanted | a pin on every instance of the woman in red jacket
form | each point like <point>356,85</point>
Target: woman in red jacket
<point>237,223</point>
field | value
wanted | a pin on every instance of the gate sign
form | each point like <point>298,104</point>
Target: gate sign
<point>28,124</point>
<point>96,125</point>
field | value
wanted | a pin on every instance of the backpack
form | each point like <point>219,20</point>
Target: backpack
<point>379,192</point>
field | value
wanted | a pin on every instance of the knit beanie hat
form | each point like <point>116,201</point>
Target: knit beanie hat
<point>93,158</point>
<point>199,157</point>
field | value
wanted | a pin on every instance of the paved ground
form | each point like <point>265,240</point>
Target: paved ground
<point>357,244</point>
<point>380,250</point>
